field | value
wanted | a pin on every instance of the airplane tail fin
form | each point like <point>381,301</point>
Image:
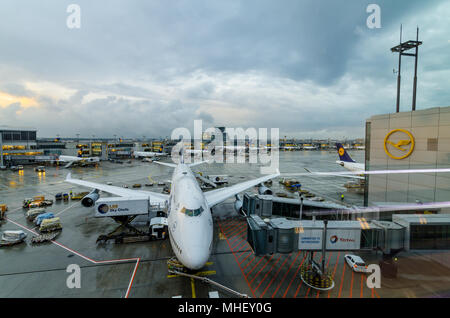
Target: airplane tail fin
<point>343,155</point>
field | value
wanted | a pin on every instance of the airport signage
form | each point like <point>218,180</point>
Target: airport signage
<point>398,144</point>
<point>337,239</point>
<point>108,207</point>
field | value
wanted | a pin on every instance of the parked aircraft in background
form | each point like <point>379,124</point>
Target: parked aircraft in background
<point>77,160</point>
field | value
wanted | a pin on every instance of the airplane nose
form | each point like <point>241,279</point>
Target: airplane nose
<point>196,257</point>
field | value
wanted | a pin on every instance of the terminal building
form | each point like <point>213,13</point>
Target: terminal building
<point>408,140</point>
<point>18,145</point>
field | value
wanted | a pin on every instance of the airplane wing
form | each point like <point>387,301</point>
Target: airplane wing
<point>206,180</point>
<point>197,163</point>
<point>69,164</point>
<point>338,175</point>
<point>123,192</point>
<point>219,195</point>
<point>172,165</point>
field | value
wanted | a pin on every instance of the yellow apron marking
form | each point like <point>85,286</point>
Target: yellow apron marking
<point>193,288</point>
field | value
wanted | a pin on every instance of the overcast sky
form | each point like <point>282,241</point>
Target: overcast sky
<point>134,68</point>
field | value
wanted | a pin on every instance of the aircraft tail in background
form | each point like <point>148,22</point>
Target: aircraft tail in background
<point>343,155</point>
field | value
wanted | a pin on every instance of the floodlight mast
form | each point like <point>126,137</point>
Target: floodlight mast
<point>401,49</point>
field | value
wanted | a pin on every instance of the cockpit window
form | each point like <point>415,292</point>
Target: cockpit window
<point>190,212</point>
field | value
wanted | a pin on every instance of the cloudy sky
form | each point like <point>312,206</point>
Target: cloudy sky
<point>309,67</point>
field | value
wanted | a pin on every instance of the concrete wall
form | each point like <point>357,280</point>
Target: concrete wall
<point>427,127</point>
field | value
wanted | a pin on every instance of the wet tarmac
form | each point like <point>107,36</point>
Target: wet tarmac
<point>140,269</point>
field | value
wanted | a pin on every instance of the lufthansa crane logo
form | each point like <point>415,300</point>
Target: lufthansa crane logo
<point>103,208</point>
<point>341,151</point>
<point>403,145</point>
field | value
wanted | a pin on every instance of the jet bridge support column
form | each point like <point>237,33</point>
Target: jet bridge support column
<point>316,276</point>
<point>324,244</point>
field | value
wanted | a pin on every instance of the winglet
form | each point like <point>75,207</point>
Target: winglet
<point>69,176</point>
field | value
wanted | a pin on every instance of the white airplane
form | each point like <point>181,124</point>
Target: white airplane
<point>195,151</point>
<point>72,159</point>
<point>147,154</point>
<point>347,162</point>
<point>239,149</point>
<point>310,148</point>
<point>290,148</point>
<point>190,221</point>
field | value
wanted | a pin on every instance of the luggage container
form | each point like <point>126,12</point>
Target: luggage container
<point>42,217</point>
<point>49,225</point>
<point>39,198</point>
<point>33,213</point>
<point>78,196</point>
<point>13,236</point>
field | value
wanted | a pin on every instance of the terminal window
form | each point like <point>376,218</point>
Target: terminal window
<point>430,236</point>
<point>432,144</point>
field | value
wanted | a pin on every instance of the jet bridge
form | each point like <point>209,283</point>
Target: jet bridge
<point>406,232</point>
<point>281,235</point>
<point>269,205</point>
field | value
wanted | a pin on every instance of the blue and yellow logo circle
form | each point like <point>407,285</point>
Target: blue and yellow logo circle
<point>103,208</point>
<point>333,239</point>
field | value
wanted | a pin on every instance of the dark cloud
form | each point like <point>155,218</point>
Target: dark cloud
<point>15,89</point>
<point>145,67</point>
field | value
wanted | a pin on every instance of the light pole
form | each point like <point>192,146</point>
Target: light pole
<point>1,149</point>
<point>301,206</point>
<point>401,49</point>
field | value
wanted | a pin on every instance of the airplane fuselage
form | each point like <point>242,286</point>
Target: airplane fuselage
<point>144,154</point>
<point>352,166</point>
<point>190,221</point>
<point>73,158</point>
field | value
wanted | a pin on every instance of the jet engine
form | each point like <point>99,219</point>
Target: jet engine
<point>264,190</point>
<point>238,206</point>
<point>90,199</point>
